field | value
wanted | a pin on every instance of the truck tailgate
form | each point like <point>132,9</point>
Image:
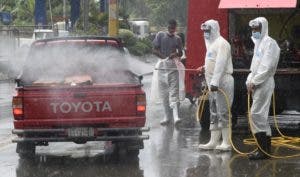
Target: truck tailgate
<point>81,103</point>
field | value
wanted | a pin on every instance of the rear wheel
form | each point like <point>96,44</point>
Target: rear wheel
<point>25,149</point>
<point>133,147</point>
<point>130,148</point>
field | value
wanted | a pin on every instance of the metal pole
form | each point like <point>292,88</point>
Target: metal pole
<point>113,26</point>
<point>85,15</point>
<point>64,9</point>
<point>64,15</point>
<point>175,69</point>
<point>50,13</point>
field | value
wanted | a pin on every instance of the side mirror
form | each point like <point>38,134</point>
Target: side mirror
<point>18,82</point>
<point>140,78</point>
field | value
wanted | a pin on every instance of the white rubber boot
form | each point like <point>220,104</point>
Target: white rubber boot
<point>225,145</point>
<point>213,142</point>
<point>168,114</point>
<point>175,115</point>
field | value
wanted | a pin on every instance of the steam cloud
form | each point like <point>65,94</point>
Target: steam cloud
<point>11,56</point>
<point>55,63</point>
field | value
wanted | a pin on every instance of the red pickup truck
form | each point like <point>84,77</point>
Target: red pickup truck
<point>78,89</point>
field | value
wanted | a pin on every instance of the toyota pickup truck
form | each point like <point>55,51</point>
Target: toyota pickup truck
<point>78,89</point>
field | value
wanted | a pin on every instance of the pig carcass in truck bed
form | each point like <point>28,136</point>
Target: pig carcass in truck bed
<point>78,89</point>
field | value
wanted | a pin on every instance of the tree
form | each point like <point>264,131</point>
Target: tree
<point>57,10</point>
<point>163,10</point>
<point>7,5</point>
<point>136,8</point>
<point>24,12</point>
<point>158,11</point>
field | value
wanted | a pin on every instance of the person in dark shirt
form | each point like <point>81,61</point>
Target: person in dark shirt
<point>168,47</point>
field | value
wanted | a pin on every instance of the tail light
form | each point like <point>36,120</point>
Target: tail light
<point>17,105</point>
<point>141,104</point>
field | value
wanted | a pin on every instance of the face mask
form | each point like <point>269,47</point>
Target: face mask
<point>206,35</point>
<point>256,35</point>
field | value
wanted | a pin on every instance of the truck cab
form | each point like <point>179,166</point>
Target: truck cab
<point>42,34</point>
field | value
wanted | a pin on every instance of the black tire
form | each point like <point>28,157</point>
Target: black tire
<point>130,148</point>
<point>25,150</point>
<point>118,151</point>
<point>133,147</point>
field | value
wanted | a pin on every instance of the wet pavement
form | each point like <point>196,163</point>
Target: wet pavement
<point>170,152</point>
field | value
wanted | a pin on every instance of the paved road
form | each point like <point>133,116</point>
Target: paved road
<point>169,152</point>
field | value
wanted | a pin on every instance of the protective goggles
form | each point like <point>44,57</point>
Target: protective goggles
<point>205,27</point>
<point>254,24</point>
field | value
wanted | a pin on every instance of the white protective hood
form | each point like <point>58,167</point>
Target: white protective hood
<point>264,29</point>
<point>218,54</point>
<point>266,54</point>
<point>214,31</point>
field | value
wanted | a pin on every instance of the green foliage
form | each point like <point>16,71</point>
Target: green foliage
<point>138,47</point>
<point>135,8</point>
<point>128,37</point>
<point>163,10</point>
<point>148,43</point>
<point>103,19</point>
<point>123,16</point>
<point>7,6</point>
<point>157,11</point>
<point>24,12</point>
<point>141,47</point>
<point>57,10</point>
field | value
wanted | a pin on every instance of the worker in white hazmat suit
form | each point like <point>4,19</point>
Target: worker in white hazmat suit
<point>168,47</point>
<point>260,83</point>
<point>218,75</point>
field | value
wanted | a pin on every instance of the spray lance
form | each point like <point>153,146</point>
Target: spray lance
<point>169,69</point>
<point>200,72</point>
<point>176,69</point>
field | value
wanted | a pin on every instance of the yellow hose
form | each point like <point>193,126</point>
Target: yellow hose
<point>283,140</point>
<point>199,114</point>
<point>275,141</point>
<point>200,107</point>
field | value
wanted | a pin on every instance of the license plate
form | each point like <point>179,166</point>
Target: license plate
<point>80,132</point>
